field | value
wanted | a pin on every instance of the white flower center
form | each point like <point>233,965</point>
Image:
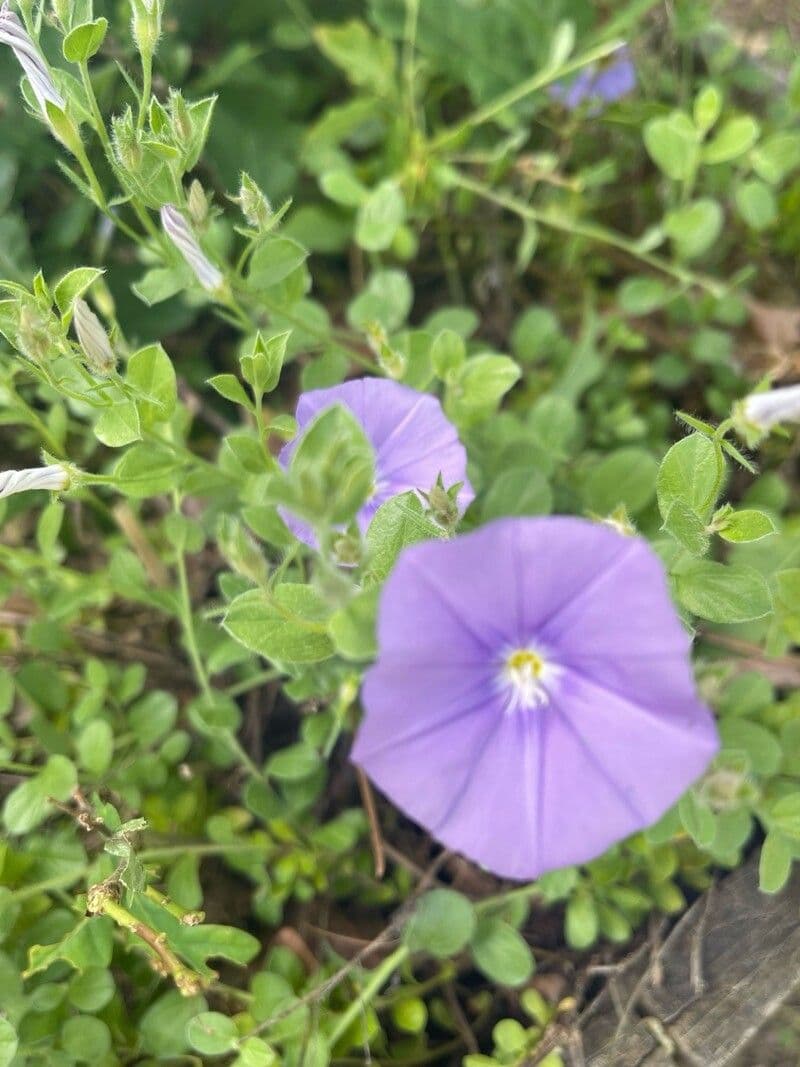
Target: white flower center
<point>523,678</point>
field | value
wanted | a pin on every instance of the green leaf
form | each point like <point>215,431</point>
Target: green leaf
<point>87,945</point>
<point>762,748</point>
<point>84,41</point>
<point>641,296</point>
<point>732,140</point>
<point>95,747</point>
<point>724,593</point>
<point>481,384</point>
<point>581,922</point>
<point>774,863</point>
<point>212,1034</point>
<point>441,925</point>
<point>518,491</point>
<point>162,283</point>
<point>673,145</point>
<point>74,284</point>
<point>147,470</point>
<point>150,371</point>
<point>28,804</point>
<point>273,260</point>
<point>626,476</point>
<point>162,1028</point>
<point>399,522</point>
<point>697,819</point>
<point>119,425</point>
<point>294,763</point>
<point>380,216</point>
<point>757,204</point>
<point>9,1043</point>
<point>784,816</point>
<point>331,473</point>
<point>387,300</point>
<point>287,626</point>
<point>86,1038</point>
<point>707,107</point>
<point>695,227</point>
<point>687,528</point>
<point>262,365</point>
<point>343,187</point>
<point>691,473</point>
<point>229,387</point>
<point>746,525</point>
<point>367,60</point>
<point>352,628</point>
<point>776,157</point>
<point>501,953</point>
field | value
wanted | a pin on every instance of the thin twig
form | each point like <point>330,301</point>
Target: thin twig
<point>375,839</point>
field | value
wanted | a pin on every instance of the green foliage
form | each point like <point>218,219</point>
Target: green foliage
<point>181,674</point>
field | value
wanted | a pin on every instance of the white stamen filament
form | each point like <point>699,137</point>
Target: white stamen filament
<point>522,678</point>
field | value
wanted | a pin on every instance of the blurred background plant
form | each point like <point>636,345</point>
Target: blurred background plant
<point>422,191</point>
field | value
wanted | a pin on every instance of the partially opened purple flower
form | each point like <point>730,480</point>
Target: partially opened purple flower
<point>413,441</point>
<point>533,700</point>
<point>598,84</point>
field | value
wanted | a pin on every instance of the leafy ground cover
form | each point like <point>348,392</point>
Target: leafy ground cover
<point>578,227</point>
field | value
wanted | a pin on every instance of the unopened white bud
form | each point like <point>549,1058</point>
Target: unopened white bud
<point>52,478</point>
<point>14,34</point>
<point>180,233</point>
<point>93,339</point>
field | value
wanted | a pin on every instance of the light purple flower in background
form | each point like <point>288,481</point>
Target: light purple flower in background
<point>14,34</point>
<point>413,442</point>
<point>533,700</point>
<point>767,409</point>
<point>598,84</point>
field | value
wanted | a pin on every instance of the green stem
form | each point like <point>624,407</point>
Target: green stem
<point>187,617</point>
<point>589,230</point>
<point>377,978</point>
<point>147,88</point>
<point>519,92</point>
<point>252,682</point>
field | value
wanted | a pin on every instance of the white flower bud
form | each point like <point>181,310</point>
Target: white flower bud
<point>765,410</point>
<point>93,339</point>
<point>14,34</point>
<point>179,232</point>
<point>51,478</point>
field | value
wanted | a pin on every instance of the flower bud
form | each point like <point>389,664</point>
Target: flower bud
<point>180,233</point>
<point>197,203</point>
<point>93,339</point>
<point>181,120</point>
<point>388,358</point>
<point>255,206</point>
<point>14,34</point>
<point>146,24</point>
<point>34,336</point>
<point>53,479</point>
<point>127,147</point>
<point>443,504</point>
<point>346,550</point>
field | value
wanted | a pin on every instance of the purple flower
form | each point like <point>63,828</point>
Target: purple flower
<point>533,700</point>
<point>598,84</point>
<point>412,439</point>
